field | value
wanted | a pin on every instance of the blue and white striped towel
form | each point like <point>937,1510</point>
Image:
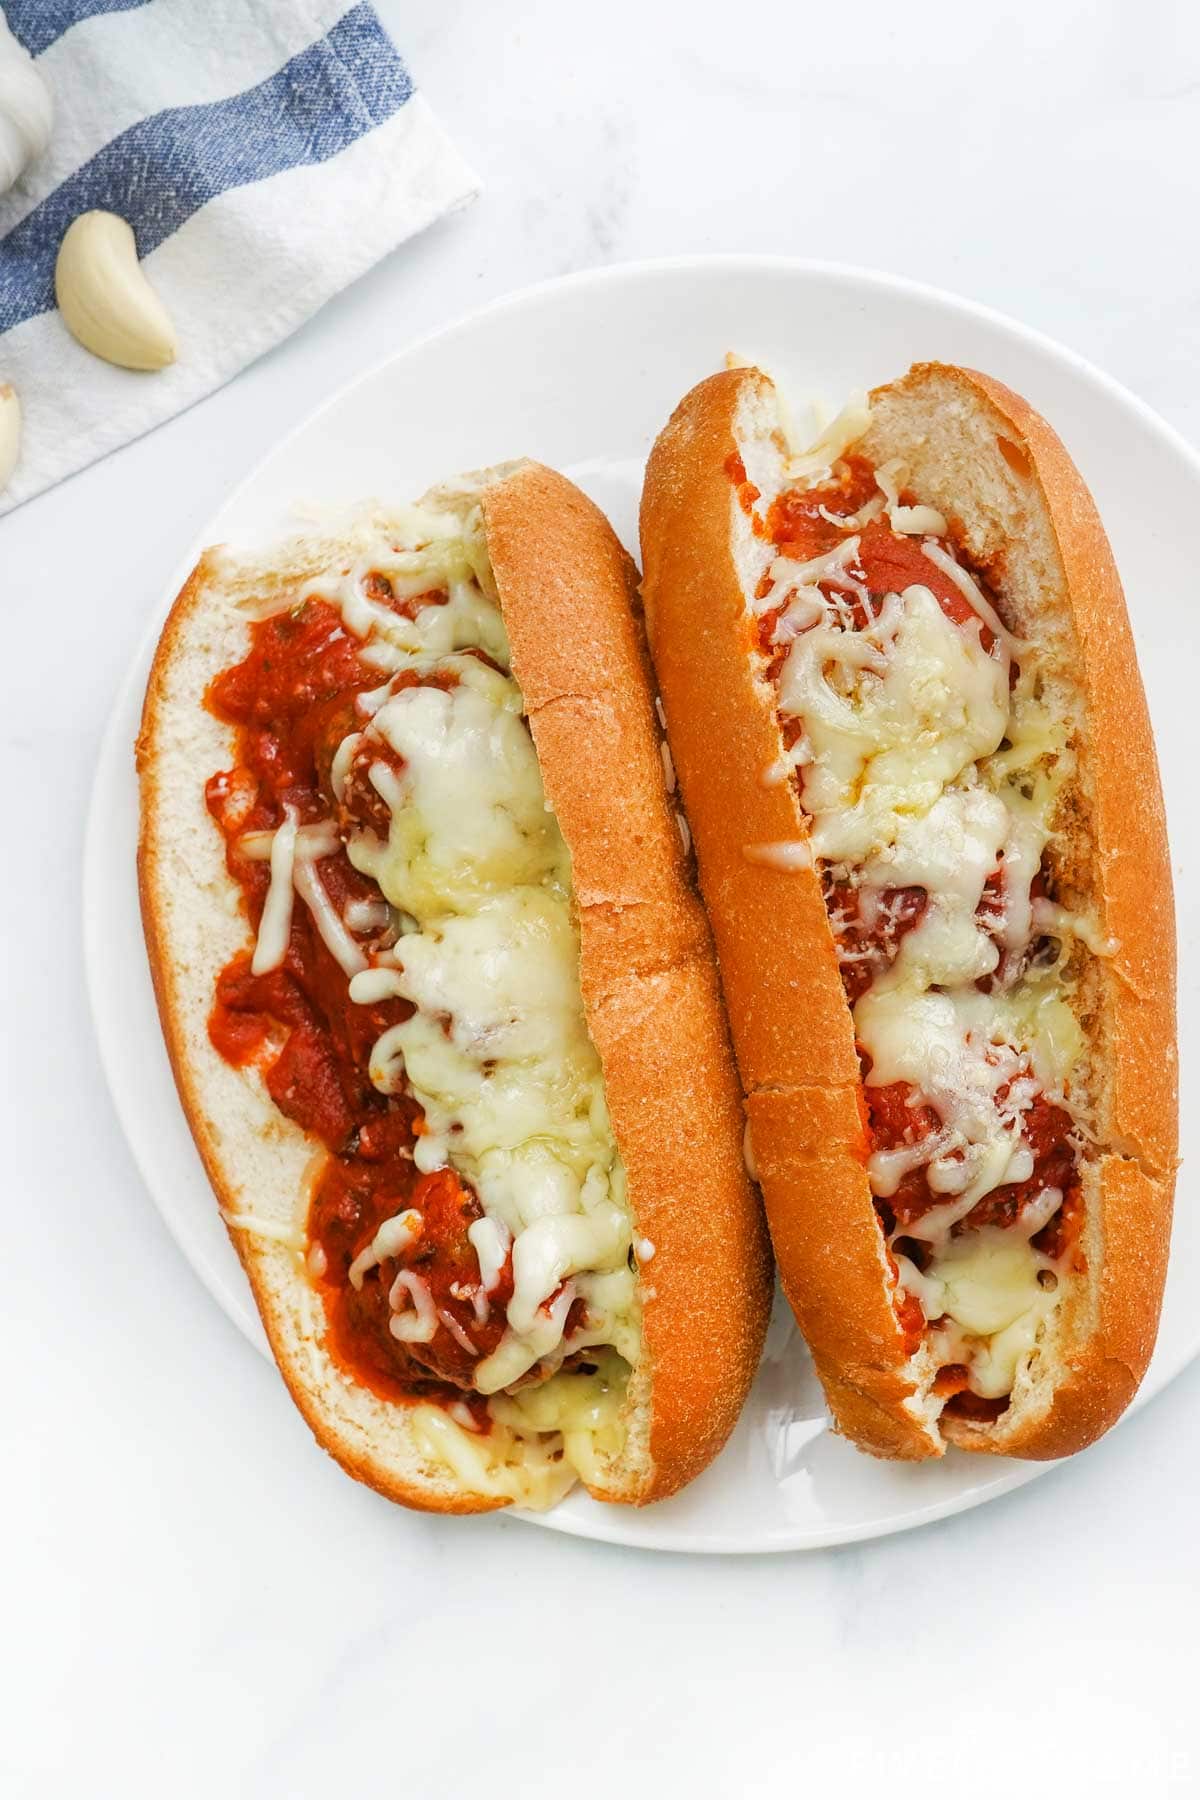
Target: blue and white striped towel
<point>266,153</point>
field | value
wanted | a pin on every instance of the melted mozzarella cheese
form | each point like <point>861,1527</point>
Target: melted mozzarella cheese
<point>414,1317</point>
<point>394,1236</point>
<point>988,1286</point>
<point>528,1469</point>
<point>445,558</point>
<point>275,925</point>
<point>294,851</point>
<point>491,1242</point>
<point>313,841</point>
<point>977,1060</point>
<point>892,714</point>
<point>911,521</point>
<point>468,815</point>
<point>916,520</point>
<point>942,1045</point>
<point>337,939</point>
<point>796,583</point>
<point>950,851</point>
<point>1038,1016</point>
<point>541,1439</point>
<point>973,594</point>
<point>496,1050</point>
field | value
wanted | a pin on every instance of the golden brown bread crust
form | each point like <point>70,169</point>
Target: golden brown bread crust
<point>648,973</point>
<point>792,1028</point>
<point>831,1259</point>
<point>648,969</point>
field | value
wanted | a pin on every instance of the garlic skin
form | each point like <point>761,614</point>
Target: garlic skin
<point>104,298</point>
<point>10,433</point>
<point>26,109</point>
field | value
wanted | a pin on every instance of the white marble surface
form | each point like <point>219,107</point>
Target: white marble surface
<point>197,1603</point>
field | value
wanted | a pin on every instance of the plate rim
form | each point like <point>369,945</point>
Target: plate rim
<point>607,1526</point>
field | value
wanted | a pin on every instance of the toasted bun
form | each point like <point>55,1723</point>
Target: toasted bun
<point>648,976</point>
<point>983,457</point>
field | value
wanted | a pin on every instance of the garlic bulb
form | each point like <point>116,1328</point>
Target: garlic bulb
<point>26,109</point>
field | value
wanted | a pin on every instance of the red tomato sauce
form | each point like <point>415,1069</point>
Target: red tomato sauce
<point>747,493</point>
<point>979,1408</point>
<point>953,1385</point>
<point>807,522</point>
<point>910,1315</point>
<point>348,1208</point>
<point>866,951</point>
<point>1046,1128</point>
<point>291,702</point>
<point>796,518</point>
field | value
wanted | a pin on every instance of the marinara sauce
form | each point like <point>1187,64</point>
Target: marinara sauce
<point>291,701</point>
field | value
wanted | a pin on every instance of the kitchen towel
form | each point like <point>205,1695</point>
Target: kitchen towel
<point>265,152</point>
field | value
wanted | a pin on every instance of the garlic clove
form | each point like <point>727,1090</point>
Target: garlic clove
<point>26,109</point>
<point>104,297</point>
<point>10,433</point>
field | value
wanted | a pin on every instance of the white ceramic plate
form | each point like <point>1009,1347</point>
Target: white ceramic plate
<point>582,373</point>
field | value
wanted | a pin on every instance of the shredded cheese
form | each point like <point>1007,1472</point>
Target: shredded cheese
<point>414,1317</point>
<point>311,841</point>
<point>367,915</point>
<point>491,1241</point>
<point>271,1230</point>
<point>808,467</point>
<point>973,593</point>
<point>275,926</point>
<point>393,1238</point>
<point>341,946</point>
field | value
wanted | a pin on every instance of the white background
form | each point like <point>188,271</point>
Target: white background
<point>194,1600</point>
